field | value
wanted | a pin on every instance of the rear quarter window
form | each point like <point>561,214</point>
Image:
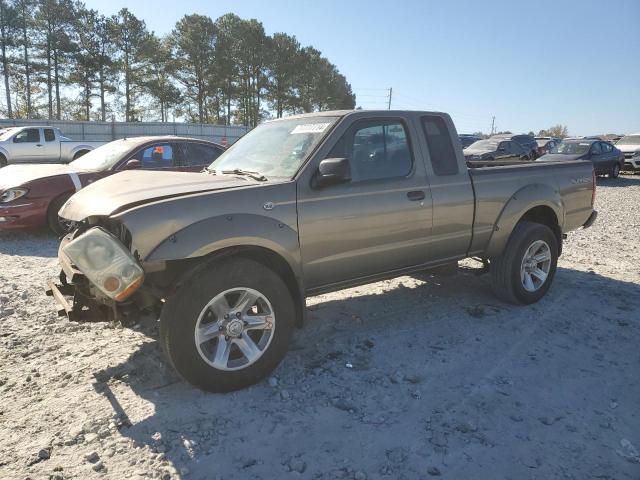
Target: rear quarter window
<point>441,151</point>
<point>49,136</point>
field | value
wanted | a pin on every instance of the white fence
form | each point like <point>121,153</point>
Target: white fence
<point>107,131</point>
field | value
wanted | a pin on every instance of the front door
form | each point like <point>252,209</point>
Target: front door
<point>157,156</point>
<point>378,222</point>
<point>509,151</point>
<point>27,145</point>
<point>598,159</point>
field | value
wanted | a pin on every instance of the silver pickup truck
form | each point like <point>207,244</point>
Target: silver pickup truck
<point>298,207</point>
<point>40,144</point>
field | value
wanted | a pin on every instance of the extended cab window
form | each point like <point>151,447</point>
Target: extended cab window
<point>441,151</point>
<point>49,136</point>
<point>30,135</point>
<point>156,156</point>
<point>376,150</point>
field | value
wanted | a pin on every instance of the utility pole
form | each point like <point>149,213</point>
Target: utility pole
<point>493,122</point>
<point>390,95</point>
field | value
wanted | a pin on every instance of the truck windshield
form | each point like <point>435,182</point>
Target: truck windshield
<point>629,140</point>
<point>572,148</point>
<point>276,148</point>
<point>5,133</point>
<point>104,157</point>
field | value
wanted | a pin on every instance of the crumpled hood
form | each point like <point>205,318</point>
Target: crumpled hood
<point>17,175</point>
<point>130,188</point>
<point>560,157</point>
<point>478,151</point>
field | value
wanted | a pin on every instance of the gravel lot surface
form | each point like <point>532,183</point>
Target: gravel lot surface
<point>413,378</point>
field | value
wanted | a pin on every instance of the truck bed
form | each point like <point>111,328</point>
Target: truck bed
<point>569,183</point>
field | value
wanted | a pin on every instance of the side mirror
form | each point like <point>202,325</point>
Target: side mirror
<point>133,164</point>
<point>332,171</point>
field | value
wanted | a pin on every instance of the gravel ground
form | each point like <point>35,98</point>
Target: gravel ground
<point>412,378</point>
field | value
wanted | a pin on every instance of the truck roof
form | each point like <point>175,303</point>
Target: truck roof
<point>159,138</point>
<point>5,127</point>
<point>344,113</point>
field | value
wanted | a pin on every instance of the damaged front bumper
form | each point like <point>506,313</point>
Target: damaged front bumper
<point>80,301</point>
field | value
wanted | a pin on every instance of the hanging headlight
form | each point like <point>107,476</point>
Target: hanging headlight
<point>106,263</point>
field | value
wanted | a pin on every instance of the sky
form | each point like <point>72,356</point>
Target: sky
<point>530,65</point>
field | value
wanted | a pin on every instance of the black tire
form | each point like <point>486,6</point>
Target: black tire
<point>505,270</point>
<point>53,220</point>
<point>3,161</point>
<point>615,171</point>
<point>180,313</point>
<point>80,153</point>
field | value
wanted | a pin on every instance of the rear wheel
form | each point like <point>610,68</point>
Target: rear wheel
<point>58,225</point>
<point>615,171</point>
<point>525,270</point>
<point>229,326</point>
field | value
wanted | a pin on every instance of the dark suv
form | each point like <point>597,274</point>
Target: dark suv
<point>528,142</point>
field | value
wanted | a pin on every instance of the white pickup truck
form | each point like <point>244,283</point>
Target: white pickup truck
<point>36,144</point>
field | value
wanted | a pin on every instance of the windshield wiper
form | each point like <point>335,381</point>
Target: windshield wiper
<point>255,175</point>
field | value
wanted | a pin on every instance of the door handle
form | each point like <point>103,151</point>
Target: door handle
<point>415,195</point>
<point>38,145</point>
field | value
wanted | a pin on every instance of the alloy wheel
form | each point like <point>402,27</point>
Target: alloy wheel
<point>535,267</point>
<point>235,329</point>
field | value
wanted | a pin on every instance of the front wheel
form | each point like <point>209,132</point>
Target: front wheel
<point>57,224</point>
<point>3,161</point>
<point>228,326</point>
<point>615,171</point>
<point>525,270</point>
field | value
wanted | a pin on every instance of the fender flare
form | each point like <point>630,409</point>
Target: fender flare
<point>206,237</point>
<point>79,148</point>
<point>521,202</point>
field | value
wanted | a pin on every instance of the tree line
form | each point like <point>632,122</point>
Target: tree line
<point>62,60</point>
<point>560,131</point>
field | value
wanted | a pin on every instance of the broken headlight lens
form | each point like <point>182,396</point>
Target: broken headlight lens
<point>106,263</point>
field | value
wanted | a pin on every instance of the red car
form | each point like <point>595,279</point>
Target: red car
<point>31,195</point>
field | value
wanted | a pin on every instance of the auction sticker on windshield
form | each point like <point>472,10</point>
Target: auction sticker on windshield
<point>310,128</point>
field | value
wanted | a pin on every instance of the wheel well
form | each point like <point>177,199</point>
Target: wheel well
<point>80,153</point>
<point>545,216</point>
<point>55,199</point>
<point>180,270</point>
